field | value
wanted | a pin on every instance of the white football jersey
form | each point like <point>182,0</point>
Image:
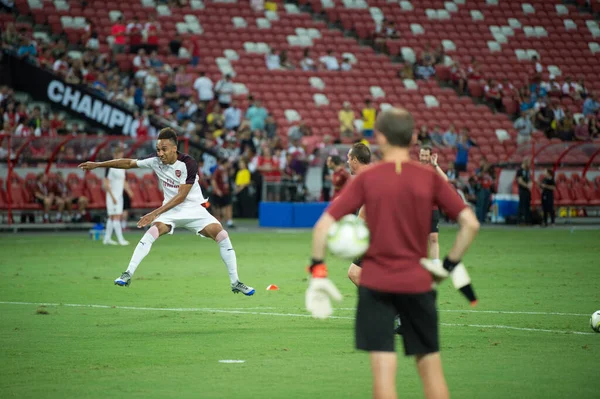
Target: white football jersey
<point>116,179</point>
<point>183,171</point>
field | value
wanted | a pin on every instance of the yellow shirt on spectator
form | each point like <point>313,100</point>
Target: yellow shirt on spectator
<point>346,119</point>
<point>368,115</point>
<point>270,6</point>
<point>242,177</point>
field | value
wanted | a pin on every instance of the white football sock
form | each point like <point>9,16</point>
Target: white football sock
<point>142,249</point>
<point>118,231</point>
<point>123,224</point>
<point>228,255</point>
<point>109,230</point>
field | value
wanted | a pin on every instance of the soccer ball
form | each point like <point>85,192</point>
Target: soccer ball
<point>595,321</point>
<point>348,238</point>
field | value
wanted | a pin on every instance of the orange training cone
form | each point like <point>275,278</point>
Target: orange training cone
<point>272,287</point>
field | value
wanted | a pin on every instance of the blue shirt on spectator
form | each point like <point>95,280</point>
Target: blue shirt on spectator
<point>462,153</point>
<point>589,106</point>
<point>138,97</point>
<point>450,138</point>
<point>256,116</point>
<point>233,118</point>
<point>28,50</point>
<point>526,106</point>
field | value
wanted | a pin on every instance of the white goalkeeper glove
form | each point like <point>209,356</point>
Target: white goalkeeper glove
<point>456,271</point>
<point>320,292</point>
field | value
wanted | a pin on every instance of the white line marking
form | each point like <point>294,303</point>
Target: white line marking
<point>231,361</point>
<point>231,311</point>
<point>499,312</point>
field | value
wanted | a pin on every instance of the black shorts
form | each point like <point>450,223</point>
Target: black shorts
<point>126,201</point>
<point>435,221</point>
<point>375,317</point>
<point>221,201</point>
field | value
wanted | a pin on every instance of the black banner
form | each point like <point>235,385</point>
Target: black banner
<point>77,100</point>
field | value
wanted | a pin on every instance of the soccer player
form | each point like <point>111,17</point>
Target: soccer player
<point>182,206</point>
<point>427,158</point>
<point>340,174</point>
<point>359,157</point>
<point>114,185</point>
<point>398,195</point>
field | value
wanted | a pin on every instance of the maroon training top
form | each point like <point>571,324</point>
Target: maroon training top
<point>398,200</point>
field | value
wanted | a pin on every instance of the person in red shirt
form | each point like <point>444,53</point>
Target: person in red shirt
<point>268,166</point>
<point>135,33</point>
<point>222,192</point>
<point>340,174</point>
<point>426,157</point>
<point>398,195</point>
<point>152,32</point>
<point>118,31</point>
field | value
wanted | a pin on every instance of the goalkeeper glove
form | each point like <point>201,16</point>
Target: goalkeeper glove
<point>456,271</point>
<point>320,291</point>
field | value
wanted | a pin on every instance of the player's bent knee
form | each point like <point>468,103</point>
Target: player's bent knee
<point>158,229</point>
<point>214,231</point>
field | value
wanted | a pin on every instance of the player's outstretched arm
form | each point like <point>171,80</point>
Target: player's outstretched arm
<point>122,163</point>
<point>439,170</point>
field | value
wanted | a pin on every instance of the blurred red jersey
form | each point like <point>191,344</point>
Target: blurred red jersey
<point>339,179</point>
<point>398,201</point>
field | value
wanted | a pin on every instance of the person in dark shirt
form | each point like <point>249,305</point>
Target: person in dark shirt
<point>175,45</point>
<point>548,186</point>
<point>524,182</point>
<point>398,195</point>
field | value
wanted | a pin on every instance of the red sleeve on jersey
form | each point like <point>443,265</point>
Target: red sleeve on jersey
<point>350,200</point>
<point>447,198</point>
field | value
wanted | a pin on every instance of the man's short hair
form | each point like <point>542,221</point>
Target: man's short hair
<point>361,152</point>
<point>427,148</point>
<point>397,125</point>
<point>336,160</point>
<point>168,134</point>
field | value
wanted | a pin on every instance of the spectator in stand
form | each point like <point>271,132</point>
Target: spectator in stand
<point>568,88</point>
<point>63,192</point>
<point>485,182</point>
<point>152,31</point>
<point>346,119</point>
<point>27,50</point>
<point>141,64</point>
<point>140,125</point>
<point>369,114</point>
<point>462,151</point>
<point>152,84</point>
<point>224,90</point>
<point>527,105</point>
<point>11,115</point>
<point>204,87</point>
<point>566,126</point>
<point>493,94</point>
<point>135,32</point>
<point>184,82</point>
<point>233,117</point>
<point>118,31</point>
<point>407,71</point>
<point>439,54</point>
<point>558,112</point>
<point>590,105</point>
<point>385,31</point>
<point>194,50</point>
<point>427,57</point>
<point>46,198</point>
<point>175,44</point>
<point>460,77</point>
<point>451,173</point>
<point>450,137</point>
<point>216,121</point>
<point>424,71</point>
<point>525,185</point>
<point>538,68</point>
<point>157,64</point>
<point>581,90</point>
<point>296,132</point>
<point>35,120</point>
<point>524,127</point>
<point>582,132</point>
<point>346,65</point>
<point>257,115</point>
<point>593,126</point>
<point>61,66</point>
<point>329,61</point>
<point>436,135</point>
<point>553,88</point>
<point>56,122</point>
<point>548,185</point>
<point>543,118</point>
<point>270,127</point>
<point>169,93</point>
<point>242,189</point>
<point>272,60</point>
<point>284,61</point>
<point>423,138</point>
<point>307,63</point>
<point>44,130</point>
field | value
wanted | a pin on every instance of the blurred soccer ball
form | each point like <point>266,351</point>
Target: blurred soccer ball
<point>348,238</point>
<point>595,321</point>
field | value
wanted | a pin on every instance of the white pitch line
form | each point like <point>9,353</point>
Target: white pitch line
<point>499,312</point>
<point>231,311</point>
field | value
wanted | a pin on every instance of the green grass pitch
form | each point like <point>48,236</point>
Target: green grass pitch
<point>528,338</point>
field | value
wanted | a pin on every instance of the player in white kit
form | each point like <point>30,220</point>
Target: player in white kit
<point>114,185</point>
<point>183,205</point>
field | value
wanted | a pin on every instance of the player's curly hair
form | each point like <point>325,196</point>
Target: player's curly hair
<point>168,134</point>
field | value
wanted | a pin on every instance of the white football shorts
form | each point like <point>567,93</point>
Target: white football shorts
<point>194,219</point>
<point>112,208</point>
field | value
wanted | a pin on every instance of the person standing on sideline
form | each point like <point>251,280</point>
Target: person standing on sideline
<point>548,186</point>
<point>396,279</point>
<point>114,185</point>
<point>524,182</point>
